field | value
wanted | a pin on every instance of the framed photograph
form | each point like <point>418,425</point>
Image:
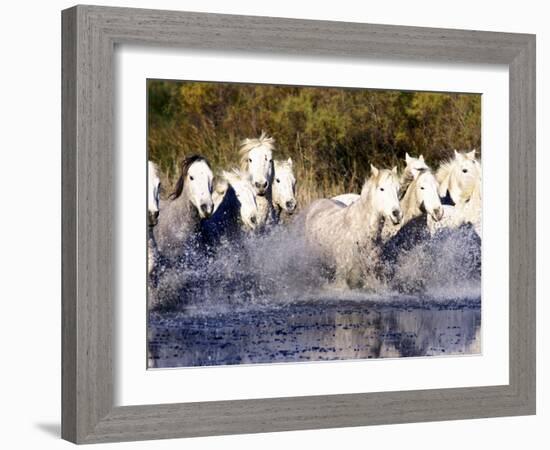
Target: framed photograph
<point>278,224</point>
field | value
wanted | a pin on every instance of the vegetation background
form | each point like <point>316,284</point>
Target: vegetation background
<point>332,134</point>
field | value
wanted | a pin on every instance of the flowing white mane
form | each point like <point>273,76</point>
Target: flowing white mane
<point>444,170</point>
<point>457,175</point>
<point>251,143</point>
<point>467,208</point>
<point>406,180</point>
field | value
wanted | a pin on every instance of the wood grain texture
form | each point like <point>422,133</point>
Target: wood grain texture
<point>89,36</point>
<point>68,226</point>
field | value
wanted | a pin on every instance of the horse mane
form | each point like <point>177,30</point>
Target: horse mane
<point>407,179</point>
<point>375,180</point>
<point>248,144</point>
<point>185,165</point>
<point>444,170</point>
<point>385,173</point>
<point>443,176</point>
<point>367,186</point>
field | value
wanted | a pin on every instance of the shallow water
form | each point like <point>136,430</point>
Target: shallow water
<point>265,299</point>
<point>315,331</point>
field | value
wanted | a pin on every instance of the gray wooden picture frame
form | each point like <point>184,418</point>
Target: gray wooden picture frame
<point>90,34</point>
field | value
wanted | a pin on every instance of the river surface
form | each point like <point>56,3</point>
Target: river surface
<point>314,331</point>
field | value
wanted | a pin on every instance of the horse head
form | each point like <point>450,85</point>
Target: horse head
<point>245,196</point>
<point>415,165</point>
<point>196,183</point>
<point>384,191</point>
<point>257,161</point>
<point>459,175</point>
<point>426,195</point>
<point>284,186</point>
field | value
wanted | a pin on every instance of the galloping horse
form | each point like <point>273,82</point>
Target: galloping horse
<point>237,212</point>
<point>343,237</point>
<point>257,161</point>
<point>191,202</point>
<point>284,189</point>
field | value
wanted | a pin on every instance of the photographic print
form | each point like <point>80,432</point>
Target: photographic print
<point>294,224</point>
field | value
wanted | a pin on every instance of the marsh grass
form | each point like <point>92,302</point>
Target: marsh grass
<point>332,134</point>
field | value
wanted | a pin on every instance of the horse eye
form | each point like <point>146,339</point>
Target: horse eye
<point>277,180</point>
<point>422,187</point>
<point>382,189</point>
<point>249,159</point>
<point>191,178</point>
<point>465,170</point>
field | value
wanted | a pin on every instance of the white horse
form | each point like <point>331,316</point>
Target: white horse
<point>257,161</point>
<point>467,209</point>
<point>284,188</point>
<point>458,176</point>
<point>412,168</point>
<point>346,238</point>
<point>237,211</point>
<point>153,199</point>
<point>179,220</point>
<point>420,198</point>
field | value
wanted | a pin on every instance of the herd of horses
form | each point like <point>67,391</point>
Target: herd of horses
<point>346,233</point>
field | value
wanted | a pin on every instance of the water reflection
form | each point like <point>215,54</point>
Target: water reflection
<point>314,332</point>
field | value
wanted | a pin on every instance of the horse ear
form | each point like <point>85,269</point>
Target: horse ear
<point>458,155</point>
<point>407,158</point>
<point>421,158</point>
<point>394,170</point>
<point>289,161</point>
<point>471,155</point>
<point>374,170</point>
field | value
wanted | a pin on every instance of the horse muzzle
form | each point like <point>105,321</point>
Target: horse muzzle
<point>437,214</point>
<point>396,216</point>
<point>251,226</point>
<point>290,207</point>
<point>260,187</point>
<point>206,210</point>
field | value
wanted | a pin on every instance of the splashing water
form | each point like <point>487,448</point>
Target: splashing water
<point>265,298</point>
